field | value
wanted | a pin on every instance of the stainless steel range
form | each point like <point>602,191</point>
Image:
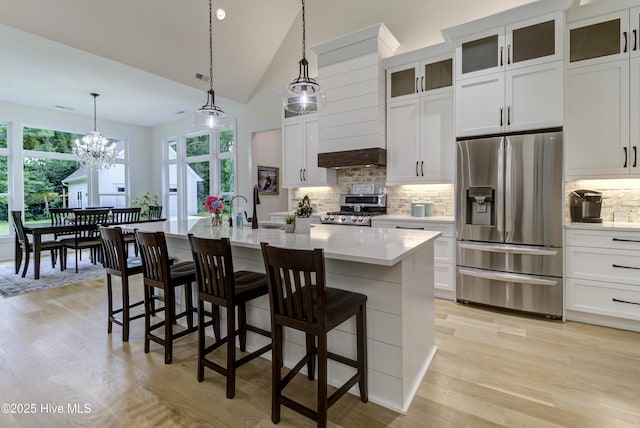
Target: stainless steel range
<point>357,210</point>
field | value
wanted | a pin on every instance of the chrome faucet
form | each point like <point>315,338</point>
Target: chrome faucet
<point>256,201</point>
<point>231,204</point>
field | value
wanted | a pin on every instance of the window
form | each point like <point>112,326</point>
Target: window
<point>4,182</point>
<point>199,165</point>
<point>52,176</point>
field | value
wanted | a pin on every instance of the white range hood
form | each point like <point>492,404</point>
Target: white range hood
<point>352,127</point>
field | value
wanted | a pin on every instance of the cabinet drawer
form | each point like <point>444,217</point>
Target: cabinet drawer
<point>625,240</point>
<point>617,300</point>
<point>447,229</point>
<point>619,266</point>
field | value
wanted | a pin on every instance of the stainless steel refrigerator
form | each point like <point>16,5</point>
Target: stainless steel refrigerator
<point>509,208</point>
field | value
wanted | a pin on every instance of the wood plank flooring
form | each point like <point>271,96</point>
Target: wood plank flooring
<point>491,370</point>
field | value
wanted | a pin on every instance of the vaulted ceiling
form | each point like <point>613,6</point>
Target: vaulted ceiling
<point>142,55</point>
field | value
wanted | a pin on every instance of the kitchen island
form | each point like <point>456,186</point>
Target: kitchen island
<point>394,268</point>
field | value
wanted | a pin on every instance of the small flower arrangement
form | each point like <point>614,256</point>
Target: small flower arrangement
<point>304,208</point>
<point>214,206</point>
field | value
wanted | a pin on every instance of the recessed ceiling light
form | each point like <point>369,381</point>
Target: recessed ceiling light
<point>220,14</point>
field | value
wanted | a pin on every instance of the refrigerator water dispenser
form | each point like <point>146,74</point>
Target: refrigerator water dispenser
<point>480,206</point>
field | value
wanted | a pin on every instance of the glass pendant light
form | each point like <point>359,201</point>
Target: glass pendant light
<point>304,94</point>
<point>210,115</point>
<point>94,150</point>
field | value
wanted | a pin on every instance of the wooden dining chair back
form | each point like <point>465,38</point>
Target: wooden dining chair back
<point>23,247</point>
<point>299,299</point>
<point>59,217</point>
<point>159,273</point>
<point>220,285</point>
<point>86,233</point>
<point>116,262</point>
<point>127,216</point>
<point>155,212</point>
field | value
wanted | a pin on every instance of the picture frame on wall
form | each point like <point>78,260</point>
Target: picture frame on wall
<point>268,180</point>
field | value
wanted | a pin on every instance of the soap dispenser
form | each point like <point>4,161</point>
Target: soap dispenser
<point>239,219</point>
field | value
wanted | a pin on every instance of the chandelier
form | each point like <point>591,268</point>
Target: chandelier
<point>304,94</point>
<point>95,151</point>
<point>210,115</point>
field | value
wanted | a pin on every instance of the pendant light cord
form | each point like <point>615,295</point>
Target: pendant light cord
<point>303,32</point>
<point>210,46</point>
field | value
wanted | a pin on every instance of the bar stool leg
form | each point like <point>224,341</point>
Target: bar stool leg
<point>361,322</point>
<point>231,352</point>
<point>242,326</point>
<point>322,380</point>
<point>109,303</point>
<point>125,308</point>
<point>201,342</point>
<point>311,353</point>
<point>276,379</point>
<point>169,320</point>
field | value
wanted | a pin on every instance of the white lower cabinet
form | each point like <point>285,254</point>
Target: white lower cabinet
<point>444,256</point>
<point>603,277</point>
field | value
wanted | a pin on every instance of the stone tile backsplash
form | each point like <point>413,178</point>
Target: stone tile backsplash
<point>621,196</point>
<point>399,198</point>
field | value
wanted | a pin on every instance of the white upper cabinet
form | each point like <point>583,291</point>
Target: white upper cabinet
<point>510,78</point>
<point>603,96</point>
<point>420,129</point>
<point>300,153</point>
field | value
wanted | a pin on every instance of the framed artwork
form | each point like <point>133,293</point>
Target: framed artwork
<point>268,180</point>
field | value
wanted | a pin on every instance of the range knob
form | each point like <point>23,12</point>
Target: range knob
<point>343,218</point>
<point>360,219</point>
<point>332,217</point>
<point>354,219</point>
<point>325,217</point>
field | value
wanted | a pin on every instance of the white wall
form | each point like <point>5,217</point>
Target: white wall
<point>267,151</point>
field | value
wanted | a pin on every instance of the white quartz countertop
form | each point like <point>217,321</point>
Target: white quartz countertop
<point>358,244</point>
<point>408,218</point>
<point>606,225</point>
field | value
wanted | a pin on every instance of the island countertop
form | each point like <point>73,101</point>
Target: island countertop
<point>378,246</point>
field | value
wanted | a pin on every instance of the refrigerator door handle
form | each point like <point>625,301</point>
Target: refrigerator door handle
<point>507,249</point>
<point>500,192</point>
<point>508,191</point>
<point>507,277</point>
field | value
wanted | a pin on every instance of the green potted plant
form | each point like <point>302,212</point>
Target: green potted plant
<point>303,216</point>
<point>143,202</point>
<point>289,220</point>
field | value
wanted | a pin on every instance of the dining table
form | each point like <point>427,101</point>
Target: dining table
<point>39,229</point>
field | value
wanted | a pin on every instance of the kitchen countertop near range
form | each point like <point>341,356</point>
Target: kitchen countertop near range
<point>606,225</point>
<point>408,218</point>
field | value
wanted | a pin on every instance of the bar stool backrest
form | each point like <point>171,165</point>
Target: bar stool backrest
<point>214,267</point>
<point>114,257</point>
<point>296,281</point>
<point>155,257</point>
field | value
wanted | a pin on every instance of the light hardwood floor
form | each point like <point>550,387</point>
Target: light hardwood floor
<point>491,370</point>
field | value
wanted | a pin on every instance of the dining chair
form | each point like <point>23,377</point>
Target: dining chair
<point>300,300</point>
<point>127,216</point>
<point>24,247</point>
<point>86,233</point>
<point>155,212</point>
<point>59,217</point>
<point>159,273</point>
<point>221,286</point>
<point>116,262</point>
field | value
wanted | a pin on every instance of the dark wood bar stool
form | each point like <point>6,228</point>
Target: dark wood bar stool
<point>219,285</point>
<point>127,215</point>
<point>300,303</point>
<point>159,273</point>
<point>116,262</point>
<point>23,246</point>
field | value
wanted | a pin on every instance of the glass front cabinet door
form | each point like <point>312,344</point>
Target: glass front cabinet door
<point>525,43</point>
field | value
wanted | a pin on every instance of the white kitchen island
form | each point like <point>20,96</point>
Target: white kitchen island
<point>394,268</point>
